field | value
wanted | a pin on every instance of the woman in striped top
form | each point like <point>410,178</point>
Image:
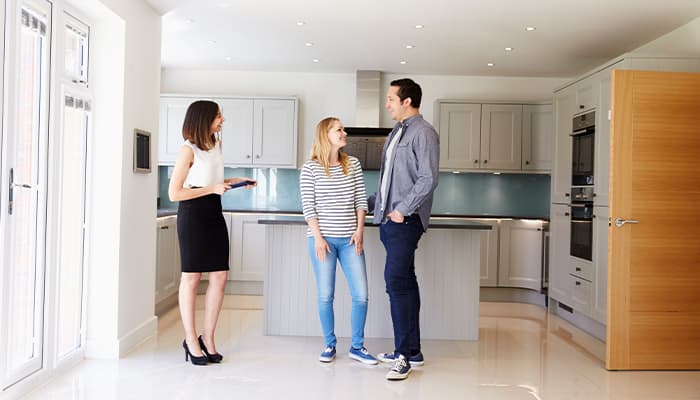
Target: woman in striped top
<point>334,202</point>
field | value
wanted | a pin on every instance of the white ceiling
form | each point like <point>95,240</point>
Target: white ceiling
<point>459,38</point>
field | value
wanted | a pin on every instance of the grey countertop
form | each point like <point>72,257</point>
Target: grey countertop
<point>435,222</point>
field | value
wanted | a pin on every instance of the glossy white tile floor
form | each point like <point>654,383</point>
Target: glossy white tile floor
<point>523,353</point>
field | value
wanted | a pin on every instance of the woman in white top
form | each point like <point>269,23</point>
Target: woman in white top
<point>197,183</point>
<point>334,203</point>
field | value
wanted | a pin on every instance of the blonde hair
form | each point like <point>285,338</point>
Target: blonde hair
<point>321,149</point>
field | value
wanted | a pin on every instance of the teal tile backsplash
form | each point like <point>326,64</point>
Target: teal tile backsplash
<point>474,194</point>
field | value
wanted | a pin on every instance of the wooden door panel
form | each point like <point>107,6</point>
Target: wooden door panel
<point>653,274</point>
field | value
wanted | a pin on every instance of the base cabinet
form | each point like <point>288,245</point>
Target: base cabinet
<point>167,258</point>
<point>247,257</point>
<point>520,254</point>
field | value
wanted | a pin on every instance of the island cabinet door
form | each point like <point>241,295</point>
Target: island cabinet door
<point>520,254</point>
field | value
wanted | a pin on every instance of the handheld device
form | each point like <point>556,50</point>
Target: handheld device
<point>241,183</point>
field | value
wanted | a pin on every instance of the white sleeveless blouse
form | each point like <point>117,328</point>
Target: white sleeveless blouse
<point>207,167</point>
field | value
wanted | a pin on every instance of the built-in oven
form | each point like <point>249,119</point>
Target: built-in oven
<point>583,145</point>
<point>582,223</point>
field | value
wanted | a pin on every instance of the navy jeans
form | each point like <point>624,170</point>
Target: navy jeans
<point>400,242</point>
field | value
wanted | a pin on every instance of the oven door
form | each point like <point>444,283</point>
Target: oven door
<point>582,230</point>
<point>582,158</point>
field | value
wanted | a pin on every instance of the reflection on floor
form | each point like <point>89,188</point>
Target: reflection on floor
<point>523,353</point>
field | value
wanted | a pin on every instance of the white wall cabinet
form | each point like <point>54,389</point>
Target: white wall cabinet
<point>247,258</point>
<point>538,134</point>
<point>520,254</point>
<point>257,132</point>
<point>475,136</point>
<point>167,258</point>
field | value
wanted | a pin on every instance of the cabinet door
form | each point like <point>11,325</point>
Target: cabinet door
<point>601,225</point>
<point>274,133</point>
<point>601,168</point>
<point>501,136</point>
<point>538,128</point>
<point>559,248</point>
<point>237,131</point>
<point>459,130</point>
<point>561,166</point>
<point>586,95</point>
<point>489,255</point>
<point>172,115</point>
<point>520,251</point>
<point>167,259</point>
<point>248,252</point>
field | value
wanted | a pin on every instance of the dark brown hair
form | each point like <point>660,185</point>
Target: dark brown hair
<point>408,88</point>
<point>197,126</point>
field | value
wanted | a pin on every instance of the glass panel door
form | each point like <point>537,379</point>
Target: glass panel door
<point>24,206</point>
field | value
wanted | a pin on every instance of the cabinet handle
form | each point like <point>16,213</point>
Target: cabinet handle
<point>567,194</point>
<point>581,106</point>
<point>578,283</point>
<point>257,156</point>
<point>527,162</point>
<point>593,215</point>
<point>566,214</point>
<point>164,227</point>
<point>476,161</point>
<point>247,156</point>
<point>578,269</point>
<point>486,161</point>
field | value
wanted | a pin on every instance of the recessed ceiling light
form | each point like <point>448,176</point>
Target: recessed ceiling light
<point>419,26</point>
<point>316,60</point>
<point>224,5</point>
<point>308,44</point>
<point>410,46</point>
<point>530,28</point>
<point>490,64</point>
<point>211,41</point>
<point>509,49</point>
<point>228,58</point>
<point>301,23</point>
<point>402,62</point>
<point>189,20</point>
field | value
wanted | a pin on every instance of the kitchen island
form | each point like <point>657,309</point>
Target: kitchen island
<point>447,266</point>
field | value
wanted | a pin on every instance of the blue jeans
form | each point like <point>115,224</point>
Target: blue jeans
<point>401,242</point>
<point>353,266</point>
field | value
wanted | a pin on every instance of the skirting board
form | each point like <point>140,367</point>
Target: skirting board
<point>117,348</point>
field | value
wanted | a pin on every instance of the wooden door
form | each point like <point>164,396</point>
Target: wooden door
<point>654,265</point>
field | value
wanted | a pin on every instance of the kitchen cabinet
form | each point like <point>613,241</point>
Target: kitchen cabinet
<point>561,165</point>
<point>460,135</point>
<point>586,92</point>
<point>520,254</point>
<point>248,253</point>
<point>601,166</point>
<point>559,248</point>
<point>501,136</point>
<point>257,132</point>
<point>538,131</point>
<point>489,254</point>
<point>167,259</point>
<point>476,136</point>
<point>599,295</point>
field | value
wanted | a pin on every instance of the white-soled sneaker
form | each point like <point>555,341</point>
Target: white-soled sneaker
<point>362,355</point>
<point>328,354</point>
<point>415,361</point>
<point>400,370</point>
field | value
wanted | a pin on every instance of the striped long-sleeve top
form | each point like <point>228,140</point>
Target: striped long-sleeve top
<point>334,199</point>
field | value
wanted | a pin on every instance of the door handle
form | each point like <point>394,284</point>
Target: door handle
<point>619,222</point>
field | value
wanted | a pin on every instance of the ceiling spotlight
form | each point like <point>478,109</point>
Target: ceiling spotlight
<point>419,26</point>
<point>530,28</point>
<point>410,46</point>
<point>301,23</point>
<point>228,58</point>
<point>211,41</point>
<point>316,60</point>
<point>509,49</point>
<point>189,20</point>
<point>402,62</point>
<point>490,64</point>
<point>308,44</point>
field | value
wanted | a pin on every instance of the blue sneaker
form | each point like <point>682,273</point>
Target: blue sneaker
<point>328,354</point>
<point>362,355</point>
<point>415,361</point>
<point>400,370</point>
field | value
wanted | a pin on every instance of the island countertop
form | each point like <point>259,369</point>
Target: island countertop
<point>435,222</point>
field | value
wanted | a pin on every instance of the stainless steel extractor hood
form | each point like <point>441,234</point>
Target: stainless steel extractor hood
<point>368,106</point>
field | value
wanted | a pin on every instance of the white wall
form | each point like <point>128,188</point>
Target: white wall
<point>121,220</point>
<point>684,40</point>
<point>333,94</point>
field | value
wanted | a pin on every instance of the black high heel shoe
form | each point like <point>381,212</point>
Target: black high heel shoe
<point>201,360</point>
<point>213,358</point>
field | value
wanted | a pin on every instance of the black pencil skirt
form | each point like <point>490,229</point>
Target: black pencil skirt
<point>202,234</point>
